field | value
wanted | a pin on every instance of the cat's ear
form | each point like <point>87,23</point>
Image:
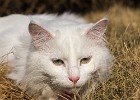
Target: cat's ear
<point>39,34</point>
<point>97,30</point>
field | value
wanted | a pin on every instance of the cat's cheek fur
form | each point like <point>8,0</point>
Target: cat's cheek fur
<point>101,62</point>
<point>58,73</point>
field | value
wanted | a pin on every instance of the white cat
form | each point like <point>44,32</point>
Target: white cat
<point>53,56</point>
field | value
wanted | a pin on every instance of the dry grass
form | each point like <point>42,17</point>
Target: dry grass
<point>123,35</point>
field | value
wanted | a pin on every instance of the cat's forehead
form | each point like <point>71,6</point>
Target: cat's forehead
<point>65,26</point>
<point>72,45</point>
<point>68,28</point>
<point>71,34</point>
<point>68,37</point>
<point>72,30</point>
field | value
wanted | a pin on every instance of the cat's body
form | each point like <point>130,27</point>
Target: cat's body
<point>53,55</point>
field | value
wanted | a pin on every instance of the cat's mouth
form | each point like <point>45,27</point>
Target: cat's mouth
<point>70,91</point>
<point>68,94</point>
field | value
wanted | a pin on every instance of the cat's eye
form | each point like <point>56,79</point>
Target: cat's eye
<point>58,62</point>
<point>85,60</point>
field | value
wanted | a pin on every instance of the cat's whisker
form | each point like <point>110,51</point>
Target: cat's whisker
<point>63,97</point>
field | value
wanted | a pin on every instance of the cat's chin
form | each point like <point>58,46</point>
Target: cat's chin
<point>70,90</point>
<point>68,93</point>
<point>71,87</point>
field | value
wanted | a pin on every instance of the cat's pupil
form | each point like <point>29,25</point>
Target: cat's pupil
<point>58,62</point>
<point>85,60</point>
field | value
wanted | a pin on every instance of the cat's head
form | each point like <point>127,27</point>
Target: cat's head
<point>70,54</point>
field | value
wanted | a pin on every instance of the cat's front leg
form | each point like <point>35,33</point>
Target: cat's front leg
<point>47,94</point>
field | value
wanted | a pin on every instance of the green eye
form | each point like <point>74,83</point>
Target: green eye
<point>58,62</point>
<point>85,60</point>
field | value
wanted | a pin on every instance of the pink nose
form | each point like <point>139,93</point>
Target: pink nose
<point>74,79</point>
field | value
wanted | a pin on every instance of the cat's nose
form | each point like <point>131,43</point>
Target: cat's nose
<point>74,79</point>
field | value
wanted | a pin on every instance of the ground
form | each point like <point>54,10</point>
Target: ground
<point>123,36</point>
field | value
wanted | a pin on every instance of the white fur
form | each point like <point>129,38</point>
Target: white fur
<point>69,43</point>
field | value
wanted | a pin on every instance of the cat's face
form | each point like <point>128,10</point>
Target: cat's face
<point>69,55</point>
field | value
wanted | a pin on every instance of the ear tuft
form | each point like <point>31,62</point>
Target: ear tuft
<point>98,29</point>
<point>38,34</point>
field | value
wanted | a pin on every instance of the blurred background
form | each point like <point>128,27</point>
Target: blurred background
<point>60,6</point>
<point>123,36</point>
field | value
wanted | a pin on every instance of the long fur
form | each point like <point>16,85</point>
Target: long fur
<point>32,68</point>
